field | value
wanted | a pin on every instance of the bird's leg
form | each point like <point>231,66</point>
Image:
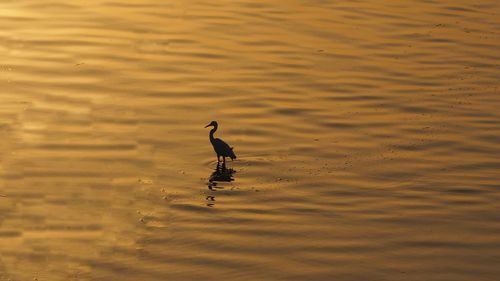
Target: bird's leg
<point>224,159</point>
<point>218,158</point>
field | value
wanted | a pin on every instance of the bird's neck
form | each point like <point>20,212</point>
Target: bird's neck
<point>212,133</point>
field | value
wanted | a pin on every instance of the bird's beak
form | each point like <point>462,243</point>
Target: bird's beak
<point>208,125</point>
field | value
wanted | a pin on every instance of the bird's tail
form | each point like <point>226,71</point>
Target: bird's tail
<point>232,155</point>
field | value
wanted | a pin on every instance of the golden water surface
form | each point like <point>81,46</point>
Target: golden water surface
<point>367,135</point>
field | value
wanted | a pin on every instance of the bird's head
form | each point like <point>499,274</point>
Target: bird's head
<point>213,123</point>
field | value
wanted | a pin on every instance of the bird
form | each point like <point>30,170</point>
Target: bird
<point>221,148</point>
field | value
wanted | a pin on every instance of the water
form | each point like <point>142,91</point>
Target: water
<point>367,135</point>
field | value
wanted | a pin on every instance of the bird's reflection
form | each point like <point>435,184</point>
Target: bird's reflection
<point>220,174</point>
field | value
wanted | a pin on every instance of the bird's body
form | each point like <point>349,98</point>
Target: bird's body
<point>221,148</point>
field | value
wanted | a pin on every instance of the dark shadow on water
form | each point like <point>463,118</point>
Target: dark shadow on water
<point>220,174</point>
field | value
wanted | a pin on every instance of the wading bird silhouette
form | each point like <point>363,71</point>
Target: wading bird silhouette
<point>221,148</point>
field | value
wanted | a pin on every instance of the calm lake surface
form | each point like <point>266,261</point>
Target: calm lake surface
<point>367,135</point>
